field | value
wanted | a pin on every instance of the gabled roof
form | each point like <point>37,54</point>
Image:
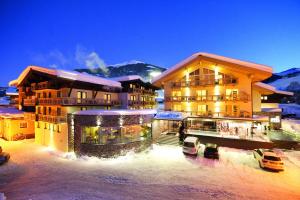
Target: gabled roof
<point>70,75</point>
<point>272,89</point>
<point>216,58</point>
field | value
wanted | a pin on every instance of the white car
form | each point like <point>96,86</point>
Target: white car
<point>268,159</point>
<point>191,145</point>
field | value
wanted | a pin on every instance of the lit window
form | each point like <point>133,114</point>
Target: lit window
<point>23,124</point>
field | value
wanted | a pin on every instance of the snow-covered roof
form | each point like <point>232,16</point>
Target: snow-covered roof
<point>191,139</point>
<point>271,109</point>
<point>116,112</point>
<point>127,78</point>
<point>170,115</point>
<point>71,75</point>
<point>216,57</point>
<point>273,89</point>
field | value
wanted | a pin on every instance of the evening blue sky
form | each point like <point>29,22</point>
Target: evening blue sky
<point>72,34</point>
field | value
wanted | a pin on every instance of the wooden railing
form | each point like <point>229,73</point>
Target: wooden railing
<point>29,116</point>
<point>143,91</point>
<point>204,82</point>
<point>76,101</point>
<point>52,118</point>
<point>240,97</point>
<point>29,102</point>
<point>136,102</point>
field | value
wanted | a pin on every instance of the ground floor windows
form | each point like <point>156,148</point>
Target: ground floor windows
<point>115,135</point>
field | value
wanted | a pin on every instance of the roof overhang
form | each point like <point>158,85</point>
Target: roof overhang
<point>64,74</point>
<point>259,71</point>
<point>268,89</point>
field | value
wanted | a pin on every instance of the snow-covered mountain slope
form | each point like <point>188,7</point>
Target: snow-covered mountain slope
<point>283,79</point>
<point>133,67</point>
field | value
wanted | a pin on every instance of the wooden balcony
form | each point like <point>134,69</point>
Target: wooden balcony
<point>140,103</point>
<point>241,97</point>
<point>29,116</point>
<point>76,101</point>
<point>203,82</point>
<point>52,118</point>
<point>142,91</point>
<point>29,102</point>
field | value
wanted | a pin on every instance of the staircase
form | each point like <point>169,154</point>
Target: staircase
<point>168,140</point>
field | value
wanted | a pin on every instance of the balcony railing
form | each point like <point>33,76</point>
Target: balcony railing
<point>76,101</point>
<point>29,102</point>
<point>30,116</point>
<point>241,113</point>
<point>52,118</point>
<point>204,82</point>
<point>143,91</point>
<point>242,97</point>
<point>136,102</point>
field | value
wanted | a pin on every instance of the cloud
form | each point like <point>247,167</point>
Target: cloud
<point>91,60</point>
<point>81,58</point>
<point>52,59</point>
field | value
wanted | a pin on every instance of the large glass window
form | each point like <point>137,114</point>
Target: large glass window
<point>115,135</point>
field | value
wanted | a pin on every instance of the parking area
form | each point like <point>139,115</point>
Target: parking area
<point>160,172</point>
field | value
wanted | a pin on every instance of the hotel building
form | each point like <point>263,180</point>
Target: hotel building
<point>220,94</point>
<point>47,96</point>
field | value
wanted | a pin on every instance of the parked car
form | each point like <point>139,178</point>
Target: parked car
<point>191,145</point>
<point>4,157</point>
<point>211,151</point>
<point>268,159</point>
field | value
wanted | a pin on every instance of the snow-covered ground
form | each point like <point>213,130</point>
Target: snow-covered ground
<point>291,125</point>
<point>162,172</point>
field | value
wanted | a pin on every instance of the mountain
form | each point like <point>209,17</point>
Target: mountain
<point>284,79</point>
<point>127,68</point>
<point>288,80</point>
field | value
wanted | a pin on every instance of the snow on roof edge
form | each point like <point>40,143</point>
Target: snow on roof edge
<point>71,75</point>
<point>213,56</point>
<point>127,78</point>
<point>273,89</point>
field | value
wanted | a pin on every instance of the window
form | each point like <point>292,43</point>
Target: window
<point>107,98</point>
<point>45,126</point>
<point>58,128</point>
<point>81,95</point>
<point>176,93</point>
<point>54,127</point>
<point>23,124</point>
<point>39,110</point>
<point>132,97</point>
<point>201,95</point>
<point>177,107</point>
<point>202,109</point>
<point>44,95</point>
<point>58,110</point>
<point>49,110</point>
<point>58,94</point>
<point>39,95</point>
<point>49,95</point>
<point>231,94</point>
<point>44,111</point>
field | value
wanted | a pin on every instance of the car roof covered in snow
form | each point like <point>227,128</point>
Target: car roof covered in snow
<point>70,75</point>
<point>191,139</point>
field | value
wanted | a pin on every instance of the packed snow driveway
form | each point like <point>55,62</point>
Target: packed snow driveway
<point>161,172</point>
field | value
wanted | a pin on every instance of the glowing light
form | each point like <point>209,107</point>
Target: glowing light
<point>154,73</point>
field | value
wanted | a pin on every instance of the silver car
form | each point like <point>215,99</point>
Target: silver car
<point>191,145</point>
